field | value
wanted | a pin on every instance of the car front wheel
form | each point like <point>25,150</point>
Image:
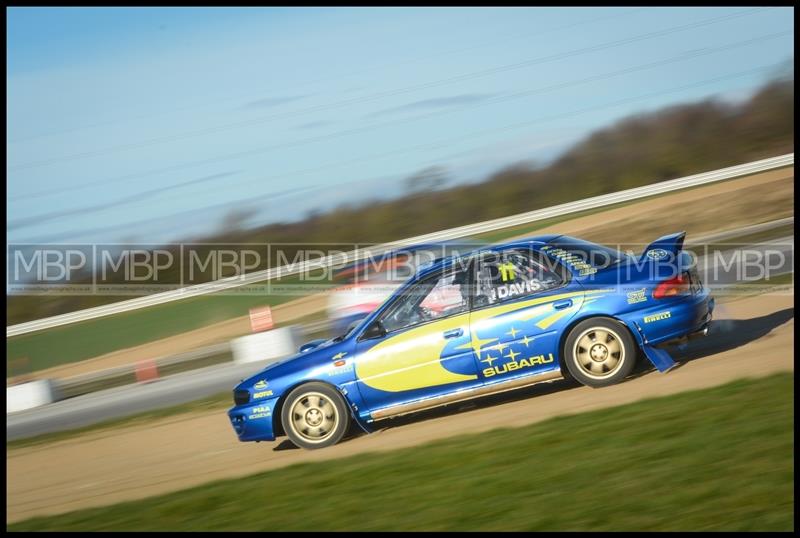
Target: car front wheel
<point>599,352</point>
<point>315,416</point>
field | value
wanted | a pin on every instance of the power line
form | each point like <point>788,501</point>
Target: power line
<point>388,93</point>
<point>253,93</point>
<point>478,134</point>
<point>518,95</point>
<point>527,93</point>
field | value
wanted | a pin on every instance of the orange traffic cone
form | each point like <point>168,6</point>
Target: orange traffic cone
<point>146,371</point>
<point>261,319</point>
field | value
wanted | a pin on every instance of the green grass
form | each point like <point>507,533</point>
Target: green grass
<point>715,459</point>
<point>221,402</point>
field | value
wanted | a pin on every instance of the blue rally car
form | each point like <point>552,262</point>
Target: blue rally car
<point>498,318</point>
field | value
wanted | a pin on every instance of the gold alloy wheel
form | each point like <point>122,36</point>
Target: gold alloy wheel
<point>313,417</point>
<point>599,352</point>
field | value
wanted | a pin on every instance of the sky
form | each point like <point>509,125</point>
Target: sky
<point>153,124</point>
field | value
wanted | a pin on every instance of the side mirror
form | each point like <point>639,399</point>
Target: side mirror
<point>308,346</point>
<point>375,330</point>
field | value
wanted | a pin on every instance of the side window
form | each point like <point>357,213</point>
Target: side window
<point>507,275</point>
<point>434,297</point>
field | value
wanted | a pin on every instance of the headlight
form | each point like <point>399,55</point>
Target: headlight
<point>241,396</point>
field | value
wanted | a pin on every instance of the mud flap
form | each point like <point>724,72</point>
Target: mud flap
<point>657,357</point>
<point>660,358</point>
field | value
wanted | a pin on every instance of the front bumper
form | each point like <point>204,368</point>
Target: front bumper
<point>253,421</point>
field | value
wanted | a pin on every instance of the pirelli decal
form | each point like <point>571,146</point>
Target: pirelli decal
<point>657,317</point>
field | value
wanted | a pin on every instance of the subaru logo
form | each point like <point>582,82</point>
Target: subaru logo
<point>657,254</point>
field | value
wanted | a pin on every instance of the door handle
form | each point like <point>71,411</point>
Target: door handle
<point>560,305</point>
<point>454,333</point>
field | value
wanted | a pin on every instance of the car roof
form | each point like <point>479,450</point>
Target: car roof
<point>411,249</point>
<point>534,242</point>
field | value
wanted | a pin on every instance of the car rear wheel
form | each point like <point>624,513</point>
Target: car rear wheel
<point>599,352</point>
<point>315,416</point>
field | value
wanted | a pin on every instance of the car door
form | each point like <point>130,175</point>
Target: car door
<point>426,350</point>
<point>522,303</point>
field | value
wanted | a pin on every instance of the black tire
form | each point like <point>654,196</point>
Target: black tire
<point>315,415</point>
<point>606,354</point>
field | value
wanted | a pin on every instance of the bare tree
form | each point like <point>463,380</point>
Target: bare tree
<point>427,180</point>
<point>236,219</point>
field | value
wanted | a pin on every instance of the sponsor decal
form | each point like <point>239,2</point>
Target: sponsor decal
<point>340,367</point>
<point>499,346</point>
<point>262,394</point>
<point>260,412</point>
<point>637,296</point>
<point>513,365</point>
<point>657,317</point>
<point>657,254</point>
<point>514,289</point>
<point>261,384</point>
<point>507,271</point>
<point>489,359</point>
<point>572,260</point>
<point>338,355</point>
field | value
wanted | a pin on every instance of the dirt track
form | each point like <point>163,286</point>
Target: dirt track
<point>713,208</point>
<point>752,337</point>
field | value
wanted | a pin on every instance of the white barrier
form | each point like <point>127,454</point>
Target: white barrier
<point>268,345</point>
<point>444,235</point>
<point>29,395</point>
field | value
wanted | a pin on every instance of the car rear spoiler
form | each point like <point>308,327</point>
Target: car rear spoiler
<point>666,247</point>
